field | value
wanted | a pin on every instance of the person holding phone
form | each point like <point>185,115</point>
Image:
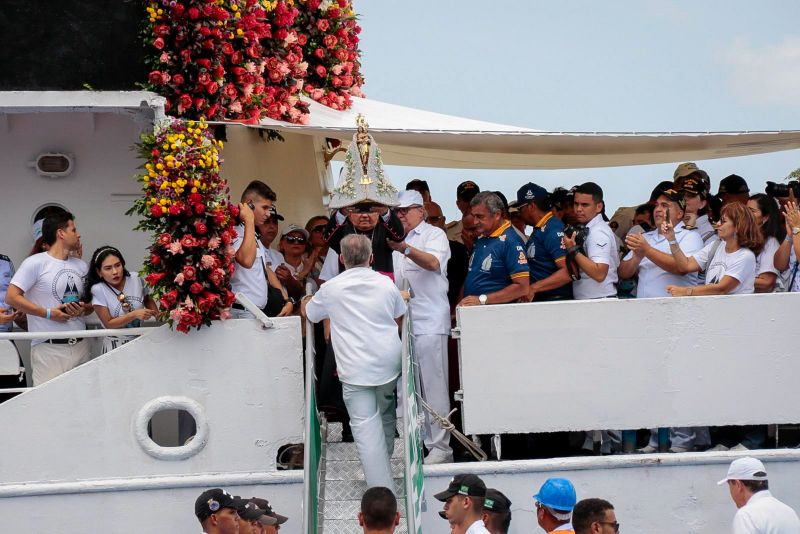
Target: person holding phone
<point>48,288</point>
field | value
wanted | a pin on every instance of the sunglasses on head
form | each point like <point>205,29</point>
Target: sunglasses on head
<point>295,239</point>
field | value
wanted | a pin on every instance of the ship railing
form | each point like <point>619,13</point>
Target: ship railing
<point>629,364</point>
<point>314,430</point>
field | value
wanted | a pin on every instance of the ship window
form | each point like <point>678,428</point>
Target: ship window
<point>172,428</point>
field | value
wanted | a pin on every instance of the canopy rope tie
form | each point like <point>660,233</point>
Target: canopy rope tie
<point>448,426</point>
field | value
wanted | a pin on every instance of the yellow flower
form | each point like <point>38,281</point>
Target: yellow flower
<point>163,201</point>
<point>160,166</point>
<point>163,209</point>
<point>194,190</point>
<point>239,31</point>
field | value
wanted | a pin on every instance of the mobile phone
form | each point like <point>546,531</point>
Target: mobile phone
<point>669,217</point>
<point>251,205</point>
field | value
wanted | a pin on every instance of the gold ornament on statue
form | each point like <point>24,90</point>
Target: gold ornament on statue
<point>363,142</point>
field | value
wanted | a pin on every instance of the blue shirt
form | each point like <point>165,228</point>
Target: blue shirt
<point>495,262</point>
<point>542,250</point>
<point>6,274</point>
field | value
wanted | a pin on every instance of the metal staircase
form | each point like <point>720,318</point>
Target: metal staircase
<point>343,484</point>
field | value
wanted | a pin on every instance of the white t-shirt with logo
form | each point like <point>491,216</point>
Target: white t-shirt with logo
<point>50,282</point>
<point>765,261</point>
<point>740,265</point>
<point>103,295</point>
<point>600,247</point>
<point>251,282</point>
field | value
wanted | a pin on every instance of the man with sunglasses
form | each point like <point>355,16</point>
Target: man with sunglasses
<point>421,260</point>
<point>594,516</point>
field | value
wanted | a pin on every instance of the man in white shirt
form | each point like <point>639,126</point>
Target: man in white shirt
<point>421,260</point>
<point>48,288</point>
<point>249,278</point>
<point>649,255</point>
<point>598,259</point>
<point>759,512</point>
<point>463,504</point>
<point>365,309</point>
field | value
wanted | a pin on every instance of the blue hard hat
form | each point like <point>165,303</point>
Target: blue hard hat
<point>557,493</point>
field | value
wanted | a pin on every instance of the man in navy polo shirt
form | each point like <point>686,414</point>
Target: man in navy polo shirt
<point>546,255</point>
<point>498,268</point>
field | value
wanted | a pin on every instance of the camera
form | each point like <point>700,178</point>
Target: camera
<point>782,190</point>
<point>577,232</point>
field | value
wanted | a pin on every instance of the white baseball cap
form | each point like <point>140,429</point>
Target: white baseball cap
<point>409,198</point>
<point>746,468</point>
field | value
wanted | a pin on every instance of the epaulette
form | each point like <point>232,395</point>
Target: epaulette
<point>452,223</point>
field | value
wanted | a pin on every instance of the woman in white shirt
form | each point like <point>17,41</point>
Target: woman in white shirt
<point>118,297</point>
<point>730,264</point>
<point>768,218</point>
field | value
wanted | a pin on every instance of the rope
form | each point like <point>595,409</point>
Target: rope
<point>447,425</point>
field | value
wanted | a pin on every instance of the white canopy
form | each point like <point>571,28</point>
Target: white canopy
<point>409,136</point>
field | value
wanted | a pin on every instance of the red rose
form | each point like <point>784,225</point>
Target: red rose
<point>177,79</point>
<point>205,63</point>
<point>199,208</point>
<point>330,41</point>
<point>159,43</point>
<point>203,78</point>
<point>195,288</point>
<point>164,239</point>
<point>323,25</point>
<point>194,13</point>
<point>208,44</point>
<point>199,103</point>
<point>227,49</point>
<point>185,101</point>
<point>154,278</point>
<point>200,228</point>
<point>237,58</point>
<point>174,210</point>
<point>319,52</point>
<point>155,259</point>
<point>155,211</point>
<point>156,77</point>
<point>177,10</point>
<point>321,71</point>
<point>230,90</point>
<point>313,5</point>
<point>212,88</point>
<point>302,39</point>
<point>188,241</point>
<point>189,272</point>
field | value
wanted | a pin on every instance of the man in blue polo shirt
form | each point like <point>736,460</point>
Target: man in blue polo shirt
<point>546,255</point>
<point>498,268</point>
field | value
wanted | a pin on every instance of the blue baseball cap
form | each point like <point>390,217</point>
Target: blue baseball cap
<point>530,192</point>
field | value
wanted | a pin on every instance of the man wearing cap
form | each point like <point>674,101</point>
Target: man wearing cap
<point>498,269</point>
<point>216,509</point>
<point>271,521</point>
<point>554,504</point>
<point>463,504</point>
<point>364,308</point>
<point>733,188</point>
<point>496,512</point>
<point>249,514</point>
<point>294,243</point>
<point>649,255</point>
<point>759,512</point>
<point>249,276</point>
<point>421,186</point>
<point>546,255</point>
<point>421,261</point>
<point>465,192</point>
<point>697,207</point>
<point>598,259</point>
<point>594,516</point>
<point>687,170</point>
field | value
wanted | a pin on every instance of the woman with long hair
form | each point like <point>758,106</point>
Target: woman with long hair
<point>118,297</point>
<point>730,263</point>
<point>768,219</point>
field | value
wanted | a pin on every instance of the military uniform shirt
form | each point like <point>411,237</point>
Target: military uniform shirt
<point>542,250</point>
<point>496,261</point>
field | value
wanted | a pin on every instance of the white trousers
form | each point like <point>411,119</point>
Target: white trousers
<point>431,355</point>
<point>49,360</point>
<point>372,421</point>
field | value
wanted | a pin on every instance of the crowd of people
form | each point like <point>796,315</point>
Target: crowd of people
<point>469,507</point>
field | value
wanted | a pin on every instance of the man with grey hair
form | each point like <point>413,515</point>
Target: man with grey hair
<point>498,267</point>
<point>365,309</point>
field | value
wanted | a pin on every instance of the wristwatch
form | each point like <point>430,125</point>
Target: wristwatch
<point>482,299</point>
<point>795,230</point>
<point>407,251</point>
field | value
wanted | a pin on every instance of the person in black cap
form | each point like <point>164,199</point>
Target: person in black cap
<point>271,521</point>
<point>733,188</point>
<point>249,514</point>
<point>463,504</point>
<point>549,277</point>
<point>698,208</point>
<point>421,186</point>
<point>216,511</point>
<point>465,192</point>
<point>496,512</point>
